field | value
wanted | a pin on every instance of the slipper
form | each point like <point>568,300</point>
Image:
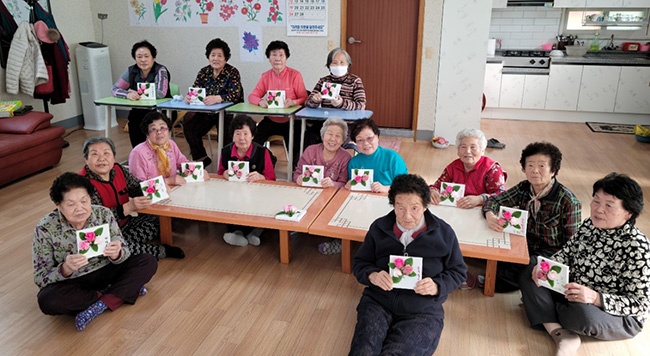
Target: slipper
<point>494,143</point>
<point>471,282</point>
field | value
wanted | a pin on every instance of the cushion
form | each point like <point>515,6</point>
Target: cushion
<point>25,124</point>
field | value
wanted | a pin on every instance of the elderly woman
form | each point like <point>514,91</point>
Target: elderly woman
<point>120,191</point>
<point>145,70</point>
<point>69,282</point>
<point>243,148</point>
<point>279,77</point>
<point>482,176</point>
<point>405,322</point>
<point>158,155</point>
<point>328,154</point>
<point>608,297</point>
<point>553,210</point>
<point>352,95</point>
<point>222,84</point>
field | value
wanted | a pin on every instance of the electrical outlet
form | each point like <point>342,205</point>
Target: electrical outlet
<point>102,16</point>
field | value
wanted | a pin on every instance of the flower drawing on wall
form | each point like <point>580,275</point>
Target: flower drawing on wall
<point>158,8</point>
<point>251,43</point>
<point>138,8</point>
<point>274,12</point>
<point>251,9</point>
<point>205,6</point>
<point>182,12</point>
<point>227,9</point>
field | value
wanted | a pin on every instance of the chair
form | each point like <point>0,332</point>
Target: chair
<point>274,138</point>
<point>177,123</point>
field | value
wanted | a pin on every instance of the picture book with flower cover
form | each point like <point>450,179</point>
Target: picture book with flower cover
<point>450,193</point>
<point>196,96</point>
<point>192,171</point>
<point>275,99</point>
<point>155,189</point>
<point>330,90</point>
<point>513,220</point>
<point>552,275</point>
<point>238,171</point>
<point>405,271</point>
<point>312,175</point>
<point>92,241</point>
<point>290,213</point>
<point>147,91</point>
<point>361,179</point>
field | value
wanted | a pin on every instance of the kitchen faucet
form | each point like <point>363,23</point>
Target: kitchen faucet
<point>611,45</point>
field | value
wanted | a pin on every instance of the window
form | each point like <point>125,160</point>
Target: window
<point>630,24</point>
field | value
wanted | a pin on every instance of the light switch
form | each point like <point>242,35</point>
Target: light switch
<point>428,52</point>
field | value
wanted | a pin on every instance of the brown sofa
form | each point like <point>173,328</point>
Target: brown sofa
<point>28,144</point>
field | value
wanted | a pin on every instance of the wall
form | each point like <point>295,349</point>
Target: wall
<point>525,28</point>
<point>73,18</point>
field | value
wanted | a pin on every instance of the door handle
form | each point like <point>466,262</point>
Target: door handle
<point>352,40</point>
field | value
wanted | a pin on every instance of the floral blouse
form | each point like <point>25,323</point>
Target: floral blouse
<point>614,263</point>
<point>227,83</point>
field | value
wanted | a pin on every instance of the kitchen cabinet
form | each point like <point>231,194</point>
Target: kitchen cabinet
<point>598,88</point>
<point>534,95</point>
<point>499,4</point>
<point>604,3</point>
<point>569,3</point>
<point>633,94</point>
<point>636,3</point>
<point>512,89</point>
<point>492,84</point>
<point>563,87</point>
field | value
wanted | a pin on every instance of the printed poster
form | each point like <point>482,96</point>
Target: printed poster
<point>307,18</point>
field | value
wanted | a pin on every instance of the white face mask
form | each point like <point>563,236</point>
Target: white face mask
<point>339,71</point>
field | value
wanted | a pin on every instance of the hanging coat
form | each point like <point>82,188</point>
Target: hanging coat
<point>56,55</point>
<point>25,65</point>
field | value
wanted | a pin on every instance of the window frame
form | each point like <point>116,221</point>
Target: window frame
<point>606,32</point>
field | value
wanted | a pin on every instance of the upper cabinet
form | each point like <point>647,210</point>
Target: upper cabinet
<point>599,3</point>
<point>569,3</point>
<point>604,3</point>
<point>636,3</point>
<point>499,4</point>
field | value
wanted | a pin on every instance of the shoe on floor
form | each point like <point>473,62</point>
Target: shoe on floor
<point>253,237</point>
<point>173,251</point>
<point>236,238</point>
<point>330,248</point>
<point>471,282</point>
<point>494,143</point>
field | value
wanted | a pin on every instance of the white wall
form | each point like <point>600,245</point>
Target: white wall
<point>525,27</point>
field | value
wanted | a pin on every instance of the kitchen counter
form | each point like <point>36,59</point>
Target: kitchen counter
<point>495,59</point>
<point>516,70</point>
<point>603,60</point>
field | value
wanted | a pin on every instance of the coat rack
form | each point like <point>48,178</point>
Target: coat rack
<point>32,20</point>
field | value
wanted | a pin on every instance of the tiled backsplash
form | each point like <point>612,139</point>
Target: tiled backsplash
<point>521,28</point>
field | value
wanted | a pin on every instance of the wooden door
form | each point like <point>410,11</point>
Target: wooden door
<point>386,56</point>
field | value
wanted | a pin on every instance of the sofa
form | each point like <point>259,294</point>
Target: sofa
<point>28,144</point>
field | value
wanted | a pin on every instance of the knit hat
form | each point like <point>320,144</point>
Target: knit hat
<point>45,34</point>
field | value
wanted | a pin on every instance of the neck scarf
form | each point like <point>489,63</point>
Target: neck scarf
<point>407,235</point>
<point>534,203</point>
<point>163,162</point>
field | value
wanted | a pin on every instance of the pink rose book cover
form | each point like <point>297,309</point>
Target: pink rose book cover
<point>147,91</point>
<point>312,175</point>
<point>196,95</point>
<point>450,193</point>
<point>513,220</point>
<point>552,275</point>
<point>92,241</point>
<point>192,171</point>
<point>330,90</point>
<point>237,171</point>
<point>361,179</point>
<point>405,271</point>
<point>275,99</point>
<point>155,189</point>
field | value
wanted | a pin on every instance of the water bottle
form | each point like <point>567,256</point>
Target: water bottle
<point>595,43</point>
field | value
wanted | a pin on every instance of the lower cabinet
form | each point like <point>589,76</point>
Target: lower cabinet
<point>633,94</point>
<point>512,90</point>
<point>563,87</point>
<point>492,84</point>
<point>534,92</point>
<point>523,91</point>
<point>598,88</point>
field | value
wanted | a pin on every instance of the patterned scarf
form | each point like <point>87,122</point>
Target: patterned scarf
<point>534,203</point>
<point>163,162</point>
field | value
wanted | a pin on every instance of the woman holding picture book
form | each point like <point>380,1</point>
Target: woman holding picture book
<point>608,262</point>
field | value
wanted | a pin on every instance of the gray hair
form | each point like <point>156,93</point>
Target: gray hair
<point>336,121</point>
<point>476,133</point>
<point>93,140</point>
<point>336,51</point>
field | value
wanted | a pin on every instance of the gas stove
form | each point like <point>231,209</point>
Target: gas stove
<point>525,58</point>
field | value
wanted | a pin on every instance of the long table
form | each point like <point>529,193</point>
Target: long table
<point>115,102</point>
<point>250,204</point>
<point>349,220</point>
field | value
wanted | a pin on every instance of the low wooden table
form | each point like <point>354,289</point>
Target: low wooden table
<point>353,224</point>
<point>250,204</point>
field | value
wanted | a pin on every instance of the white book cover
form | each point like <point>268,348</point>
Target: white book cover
<point>405,271</point>
<point>92,241</point>
<point>275,99</point>
<point>238,171</point>
<point>192,171</point>
<point>147,91</point>
<point>290,213</point>
<point>552,275</point>
<point>450,193</point>
<point>155,189</point>
<point>196,96</point>
<point>361,179</point>
<point>513,220</point>
<point>312,175</point>
<point>330,90</point>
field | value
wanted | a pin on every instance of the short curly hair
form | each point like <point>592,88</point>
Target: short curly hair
<point>277,45</point>
<point>144,44</point>
<point>409,184</point>
<point>217,43</point>
<point>238,123</point>
<point>151,117</point>
<point>359,125</point>
<point>67,182</point>
<point>544,148</point>
<point>625,188</point>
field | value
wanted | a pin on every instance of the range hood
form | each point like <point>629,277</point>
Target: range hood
<point>512,3</point>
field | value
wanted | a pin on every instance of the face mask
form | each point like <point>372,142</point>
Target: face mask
<point>339,71</point>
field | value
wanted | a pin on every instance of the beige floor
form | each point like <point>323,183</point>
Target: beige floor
<point>225,300</point>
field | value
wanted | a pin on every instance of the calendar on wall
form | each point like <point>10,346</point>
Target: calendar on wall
<point>307,18</point>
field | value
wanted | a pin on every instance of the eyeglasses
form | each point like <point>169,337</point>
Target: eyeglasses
<point>369,139</point>
<point>160,130</point>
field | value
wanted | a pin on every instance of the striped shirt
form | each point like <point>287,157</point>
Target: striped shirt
<point>352,92</point>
